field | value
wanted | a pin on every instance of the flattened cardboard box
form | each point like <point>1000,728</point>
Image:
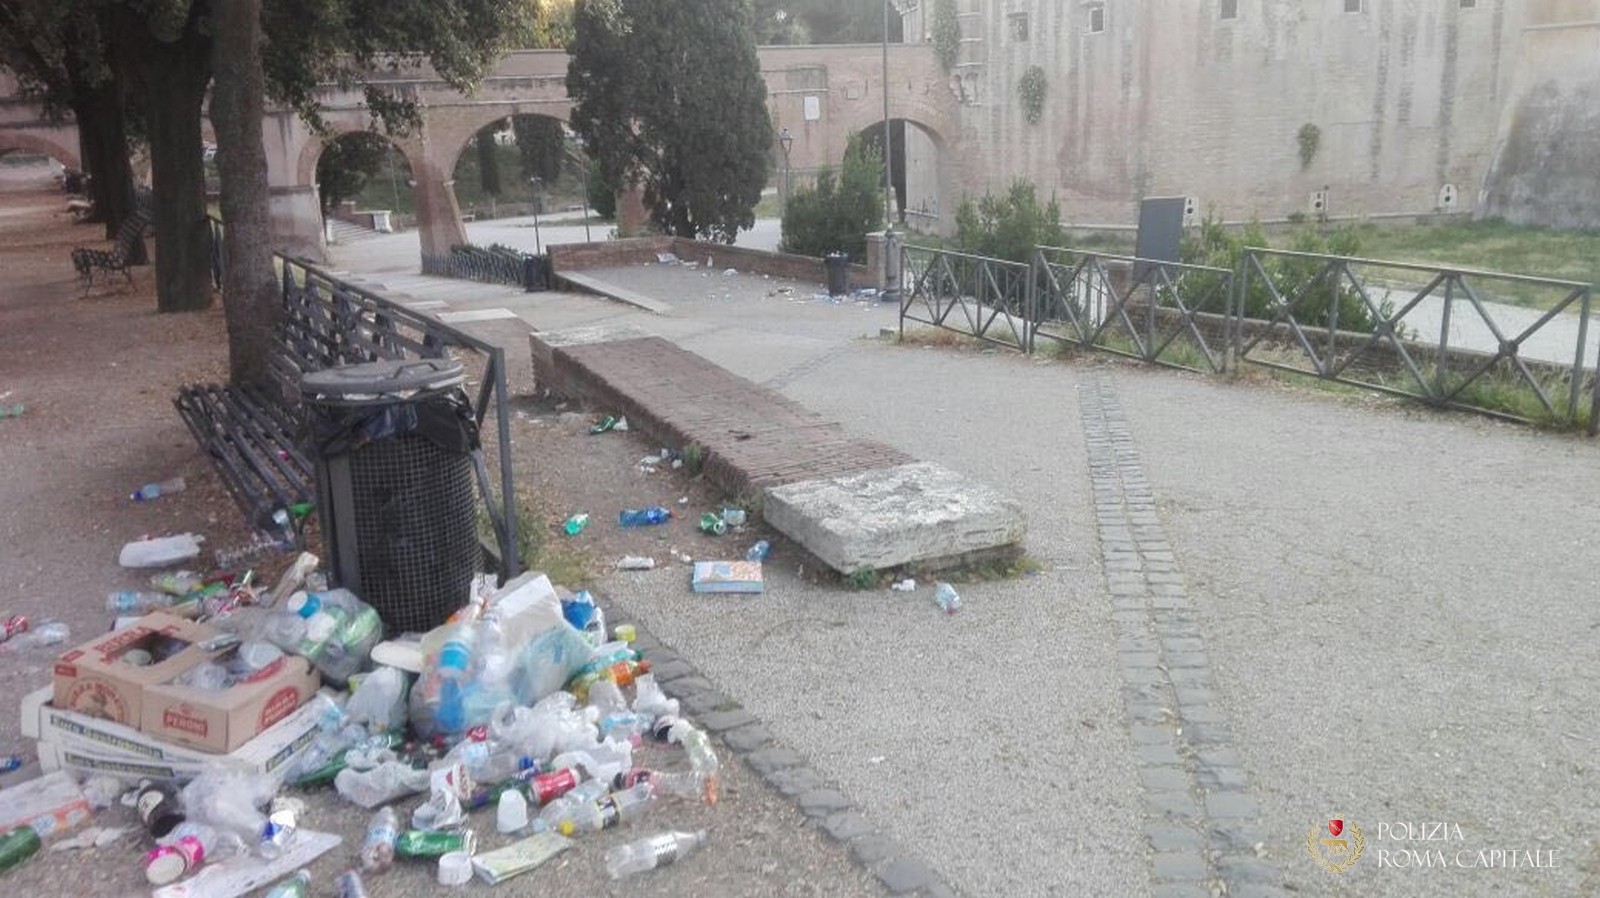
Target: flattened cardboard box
<point>223,720</point>
<point>93,679</point>
<point>90,746</point>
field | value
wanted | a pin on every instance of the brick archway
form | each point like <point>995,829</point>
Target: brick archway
<point>12,141</point>
<point>311,153</point>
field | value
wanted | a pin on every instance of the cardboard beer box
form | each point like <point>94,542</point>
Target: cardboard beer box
<point>101,679</point>
<point>87,746</point>
<point>728,576</point>
<point>221,720</point>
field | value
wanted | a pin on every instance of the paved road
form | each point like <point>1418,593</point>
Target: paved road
<point>1256,610</point>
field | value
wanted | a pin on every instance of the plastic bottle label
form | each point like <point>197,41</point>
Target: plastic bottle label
<point>382,835</point>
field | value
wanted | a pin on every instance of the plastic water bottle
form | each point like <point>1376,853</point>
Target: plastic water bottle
<point>132,601</point>
<point>656,851</point>
<point>614,809</point>
<point>575,524</point>
<point>377,853</point>
<point>564,808</point>
<point>759,551</point>
<point>697,746</point>
<point>157,490</point>
<point>644,517</point>
<point>50,633</point>
<point>947,597</point>
<point>454,671</point>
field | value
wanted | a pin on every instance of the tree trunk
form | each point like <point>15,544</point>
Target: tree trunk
<point>250,298</point>
<point>104,147</point>
<point>173,75</point>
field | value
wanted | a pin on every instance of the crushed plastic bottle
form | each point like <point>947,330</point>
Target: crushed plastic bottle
<point>575,524</point>
<point>644,517</point>
<point>132,601</point>
<point>614,809</point>
<point>907,585</point>
<point>947,598</point>
<point>377,852</point>
<point>160,551</point>
<point>655,851</point>
<point>156,490</point>
<point>48,633</point>
<point>759,551</point>
<point>563,809</point>
<point>382,784</point>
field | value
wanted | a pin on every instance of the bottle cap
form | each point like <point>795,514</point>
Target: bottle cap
<point>512,813</point>
<point>455,868</point>
<point>304,604</point>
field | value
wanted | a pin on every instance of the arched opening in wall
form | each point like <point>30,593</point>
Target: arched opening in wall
<point>523,165</point>
<point>914,174</point>
<point>36,167</point>
<point>365,180</point>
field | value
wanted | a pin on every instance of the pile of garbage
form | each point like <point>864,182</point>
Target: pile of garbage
<point>484,747</point>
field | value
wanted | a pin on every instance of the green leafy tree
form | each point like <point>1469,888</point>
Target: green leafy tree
<point>347,164</point>
<point>58,53</point>
<point>670,96</point>
<point>1008,226</point>
<point>541,144</point>
<point>488,162</point>
<point>841,209</point>
<point>602,193</point>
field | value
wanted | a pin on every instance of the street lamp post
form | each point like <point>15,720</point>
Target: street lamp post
<point>785,140</point>
<point>538,201</point>
<point>888,146</point>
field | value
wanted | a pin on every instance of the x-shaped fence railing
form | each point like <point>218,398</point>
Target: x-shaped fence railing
<point>972,295</point>
<point>1510,346</point>
<point>1425,332</point>
<point>1155,311</point>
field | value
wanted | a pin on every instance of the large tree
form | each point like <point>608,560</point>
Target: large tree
<point>58,53</point>
<point>670,96</point>
<point>309,42</point>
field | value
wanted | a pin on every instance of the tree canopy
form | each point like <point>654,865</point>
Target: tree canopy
<point>669,96</point>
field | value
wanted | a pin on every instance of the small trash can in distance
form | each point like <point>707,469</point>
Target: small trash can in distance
<point>393,443</point>
<point>838,268</point>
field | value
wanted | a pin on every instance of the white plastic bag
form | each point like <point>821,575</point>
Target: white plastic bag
<point>160,551</point>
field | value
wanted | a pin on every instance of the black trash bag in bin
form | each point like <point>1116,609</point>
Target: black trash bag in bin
<point>394,445</point>
<point>444,419</point>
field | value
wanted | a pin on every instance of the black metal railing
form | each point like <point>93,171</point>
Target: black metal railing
<point>490,265</point>
<point>1509,346</point>
<point>341,323</point>
<point>1159,312</point>
<point>975,296</point>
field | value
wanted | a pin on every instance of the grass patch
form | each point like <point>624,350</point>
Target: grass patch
<point>543,547</point>
<point>1492,245</point>
<point>694,459</point>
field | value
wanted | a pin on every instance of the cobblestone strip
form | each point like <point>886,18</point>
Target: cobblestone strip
<point>894,866</point>
<point>1200,821</point>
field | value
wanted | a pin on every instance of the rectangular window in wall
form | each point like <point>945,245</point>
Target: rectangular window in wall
<point>1019,26</point>
<point>1097,18</point>
<point>1352,5</point>
<point>1230,9</point>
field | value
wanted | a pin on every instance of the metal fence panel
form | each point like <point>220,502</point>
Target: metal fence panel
<point>1167,313</point>
<point>1510,346</point>
<point>972,295</point>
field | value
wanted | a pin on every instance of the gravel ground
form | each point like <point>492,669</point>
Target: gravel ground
<point>97,377</point>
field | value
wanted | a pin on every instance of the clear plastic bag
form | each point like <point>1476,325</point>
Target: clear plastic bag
<point>379,703</point>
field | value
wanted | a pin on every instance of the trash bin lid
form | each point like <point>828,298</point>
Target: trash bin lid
<point>390,378</point>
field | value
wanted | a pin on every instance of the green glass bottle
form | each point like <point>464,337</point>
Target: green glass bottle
<point>17,846</point>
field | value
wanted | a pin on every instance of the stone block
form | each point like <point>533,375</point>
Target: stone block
<point>918,512</point>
